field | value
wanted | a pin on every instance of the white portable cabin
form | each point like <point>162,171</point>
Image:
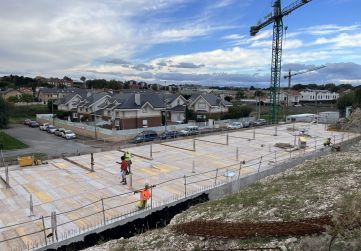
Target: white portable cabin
<point>306,117</point>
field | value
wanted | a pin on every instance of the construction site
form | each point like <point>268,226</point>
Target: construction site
<point>63,201</point>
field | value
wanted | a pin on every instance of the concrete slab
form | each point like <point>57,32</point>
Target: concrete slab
<point>75,193</point>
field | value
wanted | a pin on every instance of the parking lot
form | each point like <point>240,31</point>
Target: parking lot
<point>43,142</point>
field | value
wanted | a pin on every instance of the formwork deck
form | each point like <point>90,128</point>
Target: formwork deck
<point>75,193</point>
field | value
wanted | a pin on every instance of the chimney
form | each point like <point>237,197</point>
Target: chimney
<point>137,98</point>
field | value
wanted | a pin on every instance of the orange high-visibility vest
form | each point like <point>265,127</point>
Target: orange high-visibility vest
<point>145,194</point>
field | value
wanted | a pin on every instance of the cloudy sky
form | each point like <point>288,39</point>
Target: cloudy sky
<point>177,41</point>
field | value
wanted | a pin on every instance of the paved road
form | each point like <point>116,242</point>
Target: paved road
<point>43,142</point>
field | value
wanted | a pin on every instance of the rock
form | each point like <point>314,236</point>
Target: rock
<point>202,238</point>
<point>283,248</point>
<point>240,206</point>
<point>290,240</point>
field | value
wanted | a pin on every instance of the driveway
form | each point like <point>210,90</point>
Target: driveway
<point>43,142</point>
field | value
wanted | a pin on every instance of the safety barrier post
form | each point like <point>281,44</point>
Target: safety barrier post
<point>151,197</point>
<point>254,133</point>
<point>92,162</point>
<point>193,167</point>
<point>237,153</point>
<point>215,179</point>
<point>334,139</point>
<point>294,141</point>
<point>44,230</point>
<point>31,205</point>
<point>7,176</point>
<point>151,150</point>
<point>260,163</point>
<point>239,171</point>
<point>194,145</point>
<point>185,186</point>
<point>275,131</point>
<point>227,139</point>
<point>103,211</point>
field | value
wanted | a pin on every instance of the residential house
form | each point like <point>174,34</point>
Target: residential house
<point>135,110</point>
<point>318,96</point>
<point>289,97</point>
<point>9,92</point>
<point>91,105</point>
<point>121,111</point>
<point>176,107</point>
<point>206,105</point>
<point>46,94</point>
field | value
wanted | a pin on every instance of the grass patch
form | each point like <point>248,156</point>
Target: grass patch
<point>19,113</point>
<point>9,143</point>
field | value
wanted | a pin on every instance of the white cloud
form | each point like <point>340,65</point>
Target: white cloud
<point>342,40</point>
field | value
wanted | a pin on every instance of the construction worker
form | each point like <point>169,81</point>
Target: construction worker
<point>327,142</point>
<point>145,195</point>
<point>128,159</point>
<point>123,170</point>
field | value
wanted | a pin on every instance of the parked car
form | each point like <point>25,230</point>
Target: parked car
<point>58,132</point>
<point>34,124</point>
<point>260,122</point>
<point>67,134</point>
<point>51,129</point>
<point>246,124</point>
<point>44,126</point>
<point>190,130</point>
<point>145,136</point>
<point>27,121</point>
<point>169,135</point>
<point>235,125</point>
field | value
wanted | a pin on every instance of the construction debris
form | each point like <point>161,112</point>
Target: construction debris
<point>283,145</point>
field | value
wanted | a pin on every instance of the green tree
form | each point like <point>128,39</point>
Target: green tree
<point>238,111</point>
<point>228,98</point>
<point>357,97</point>
<point>345,100</point>
<point>240,94</point>
<point>258,93</point>
<point>52,107</point>
<point>27,98</point>
<point>4,113</point>
<point>13,99</point>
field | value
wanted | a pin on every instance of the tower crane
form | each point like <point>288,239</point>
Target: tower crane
<point>277,19</point>
<point>290,75</point>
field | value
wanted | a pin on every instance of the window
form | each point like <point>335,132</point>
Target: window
<point>145,123</point>
<point>144,110</point>
<point>178,102</point>
<point>202,105</point>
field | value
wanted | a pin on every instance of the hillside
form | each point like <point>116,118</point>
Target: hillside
<point>326,186</point>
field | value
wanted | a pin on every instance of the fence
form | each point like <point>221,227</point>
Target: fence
<point>114,135</point>
<point>107,210</point>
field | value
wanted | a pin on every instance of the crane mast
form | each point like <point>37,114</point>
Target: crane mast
<point>277,19</point>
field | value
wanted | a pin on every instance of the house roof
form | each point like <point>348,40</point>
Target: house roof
<point>179,108</point>
<point>8,90</point>
<point>62,90</point>
<point>146,97</point>
<point>211,99</point>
